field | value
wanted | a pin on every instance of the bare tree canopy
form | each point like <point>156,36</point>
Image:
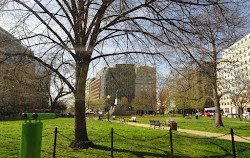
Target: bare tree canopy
<point>214,30</point>
<point>66,34</point>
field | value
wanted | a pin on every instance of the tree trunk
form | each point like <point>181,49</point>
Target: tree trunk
<point>81,137</point>
<point>218,119</point>
<point>240,112</point>
<point>52,108</point>
<point>216,98</point>
<point>183,112</point>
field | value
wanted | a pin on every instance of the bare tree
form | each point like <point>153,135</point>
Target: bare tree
<point>57,91</point>
<point>75,32</point>
<point>214,30</point>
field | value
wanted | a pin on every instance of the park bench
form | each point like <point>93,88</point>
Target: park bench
<point>151,122</point>
<point>133,119</point>
<point>122,120</point>
<point>157,123</point>
<point>154,123</point>
<point>188,117</point>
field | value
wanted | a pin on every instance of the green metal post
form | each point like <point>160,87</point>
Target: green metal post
<point>31,140</point>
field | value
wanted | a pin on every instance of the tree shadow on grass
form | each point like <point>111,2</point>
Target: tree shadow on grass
<point>227,153</point>
<point>139,154</point>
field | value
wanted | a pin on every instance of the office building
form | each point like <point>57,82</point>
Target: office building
<point>24,84</point>
<point>234,76</point>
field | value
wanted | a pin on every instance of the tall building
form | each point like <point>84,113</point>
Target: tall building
<point>145,89</point>
<point>123,80</point>
<point>118,81</point>
<point>23,82</point>
<point>95,85</point>
<point>145,80</point>
<point>234,76</point>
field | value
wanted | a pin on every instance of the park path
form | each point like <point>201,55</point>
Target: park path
<point>200,133</point>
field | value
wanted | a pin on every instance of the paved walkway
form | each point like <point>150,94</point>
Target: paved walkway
<point>200,133</point>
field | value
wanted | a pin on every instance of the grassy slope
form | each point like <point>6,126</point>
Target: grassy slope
<point>183,147</point>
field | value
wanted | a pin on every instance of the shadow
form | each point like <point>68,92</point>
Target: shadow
<point>142,154</point>
<point>139,154</point>
<point>222,148</point>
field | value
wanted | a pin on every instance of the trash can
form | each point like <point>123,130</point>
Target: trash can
<point>173,125</point>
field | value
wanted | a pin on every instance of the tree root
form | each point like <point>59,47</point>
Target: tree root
<point>81,144</point>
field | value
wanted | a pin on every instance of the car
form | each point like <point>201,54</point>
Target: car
<point>246,115</point>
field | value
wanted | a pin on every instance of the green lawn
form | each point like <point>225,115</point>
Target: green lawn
<point>183,147</point>
<point>241,128</point>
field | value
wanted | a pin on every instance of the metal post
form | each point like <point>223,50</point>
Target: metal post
<point>54,153</point>
<point>171,143</point>
<point>233,145</point>
<point>108,114</point>
<point>112,135</point>
<point>31,140</point>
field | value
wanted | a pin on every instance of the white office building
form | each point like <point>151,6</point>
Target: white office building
<point>234,77</point>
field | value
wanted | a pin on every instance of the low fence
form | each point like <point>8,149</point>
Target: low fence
<point>112,133</point>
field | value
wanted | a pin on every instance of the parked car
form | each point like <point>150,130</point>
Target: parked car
<point>246,115</point>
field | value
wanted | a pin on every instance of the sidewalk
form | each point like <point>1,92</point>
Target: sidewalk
<point>200,133</point>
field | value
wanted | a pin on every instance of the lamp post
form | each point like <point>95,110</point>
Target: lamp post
<point>108,107</point>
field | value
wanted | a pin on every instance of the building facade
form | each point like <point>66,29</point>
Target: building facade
<point>118,82</point>
<point>145,80</point>
<point>234,76</point>
<point>145,89</point>
<point>123,81</point>
<point>23,82</point>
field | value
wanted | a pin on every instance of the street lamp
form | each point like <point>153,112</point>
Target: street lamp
<point>108,107</point>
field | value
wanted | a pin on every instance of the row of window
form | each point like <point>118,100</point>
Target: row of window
<point>238,75</point>
<point>241,42</point>
<point>227,103</point>
<point>144,86</point>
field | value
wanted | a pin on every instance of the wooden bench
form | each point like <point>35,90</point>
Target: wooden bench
<point>157,123</point>
<point>151,123</point>
<point>188,117</point>
<point>133,119</point>
<point>122,120</point>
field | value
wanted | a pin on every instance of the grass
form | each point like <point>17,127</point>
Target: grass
<point>241,128</point>
<point>183,147</point>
